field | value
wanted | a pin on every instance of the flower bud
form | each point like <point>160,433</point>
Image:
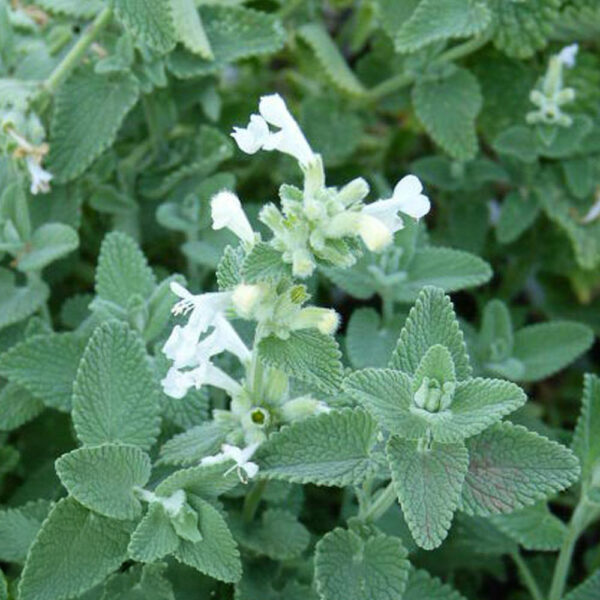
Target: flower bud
<point>301,408</point>
<point>245,298</point>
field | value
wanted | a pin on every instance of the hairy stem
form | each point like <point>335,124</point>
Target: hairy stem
<point>381,505</point>
<point>252,500</point>
<point>527,576</point>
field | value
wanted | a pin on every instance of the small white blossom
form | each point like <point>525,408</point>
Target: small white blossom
<point>374,232</point>
<point>227,211</point>
<point>177,383</point>
<point>246,469</point>
<point>40,178</point>
<point>245,298</point>
<point>289,139</point>
<point>568,55</point>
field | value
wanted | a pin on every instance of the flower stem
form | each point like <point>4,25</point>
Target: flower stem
<point>252,500</point>
<point>71,60</point>
<point>527,576</point>
<point>380,506</point>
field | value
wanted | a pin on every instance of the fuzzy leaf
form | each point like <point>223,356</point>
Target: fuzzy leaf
<point>229,271</point>
<point>74,550</point>
<point>17,302</point>
<point>588,590</point>
<point>264,263</point>
<point>511,468</point>
<point>48,243</point>
<point>422,586</point>
<point>458,95</point>
<point>17,407</point>
<point>431,321</point>
<point>18,528</point>
<point>307,355</point>
<point>331,59</point>
<point>189,29</point>
<point>72,8</point>
<point>205,481</point>
<point>433,20</point>
<point>193,445</point>
<point>45,365</point>
<point>102,478</point>
<point>352,568</point>
<point>149,20</point>
<point>154,537</point>
<point>328,449</point>
<point>77,138</point>
<point>428,484</point>
<point>548,347</point>
<point>115,394</point>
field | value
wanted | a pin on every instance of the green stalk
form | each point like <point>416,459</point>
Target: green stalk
<point>75,54</point>
<point>378,508</point>
<point>527,576</point>
<point>252,500</point>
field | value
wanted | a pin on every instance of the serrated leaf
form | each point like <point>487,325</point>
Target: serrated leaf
<point>428,483</point>
<point>229,270</point>
<point>139,582</point>
<point>588,590</point>
<point>154,537</point>
<point>328,449</point>
<point>17,407</point>
<point>18,528</point>
<point>204,481</point>
<point>123,270</point>
<point>217,554</point>
<point>330,58</point>
<point>72,8</point>
<point>431,321</point>
<point>76,140</point>
<point>149,20</point>
<point>264,263</point>
<point>189,29</point>
<point>517,214</point>
<point>518,141</point>
<point>159,305</point>
<point>103,478</point>
<point>586,439</point>
<point>546,348</point>
<point>115,394</point>
<point>193,445</point>
<point>234,33</point>
<point>17,302</point>
<point>277,534</point>
<point>481,536</point>
<point>74,550</point>
<point>45,365</point>
<point>511,468</point>
<point>433,21</point>
<point>534,527</point>
<point>47,244</point>
<point>422,586</point>
<point>457,95</point>
<point>352,568</point>
<point>307,355</point>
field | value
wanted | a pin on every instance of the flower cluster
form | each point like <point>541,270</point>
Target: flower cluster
<point>552,96</point>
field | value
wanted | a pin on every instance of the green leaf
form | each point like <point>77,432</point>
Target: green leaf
<point>588,590</point>
<point>122,271</point>
<point>433,21</point>
<point>74,550</point>
<point>431,321</point>
<point>422,586</point>
<point>217,554</point>
<point>3,587</point>
<point>189,29</point>
<point>17,302</point>
<point>428,482</point>
<point>139,582</point>
<point>330,58</point>
<point>149,20</point>
<point>154,537</point>
<point>328,449</point>
<point>264,263</point>
<point>234,33</point>
<point>352,568</point>
<point>458,95</point>
<point>205,481</point>
<point>496,338</point>
<point>534,527</point>
<point>448,269</point>
<point>229,271</point>
<point>517,214</point>
<point>518,141</point>
<point>17,407</point>
<point>511,468</point>
<point>307,355</point>
<point>548,347</point>
<point>586,440</point>
<point>103,478</point>
<point>48,243</point>
<point>277,534</point>
<point>76,140</point>
<point>160,304</point>
<point>18,528</point>
<point>115,394</point>
<point>193,445</point>
<point>72,8</point>
<point>45,365</point>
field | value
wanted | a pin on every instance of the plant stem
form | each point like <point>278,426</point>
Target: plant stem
<point>527,576</point>
<point>583,515</point>
<point>378,508</point>
<point>387,308</point>
<point>252,500</point>
<point>464,49</point>
<point>71,60</point>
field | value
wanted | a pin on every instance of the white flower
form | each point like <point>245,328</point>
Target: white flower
<point>289,139</point>
<point>40,178</point>
<point>245,298</point>
<point>246,469</point>
<point>568,54</point>
<point>374,232</point>
<point>177,383</point>
<point>407,198</point>
<point>227,211</point>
